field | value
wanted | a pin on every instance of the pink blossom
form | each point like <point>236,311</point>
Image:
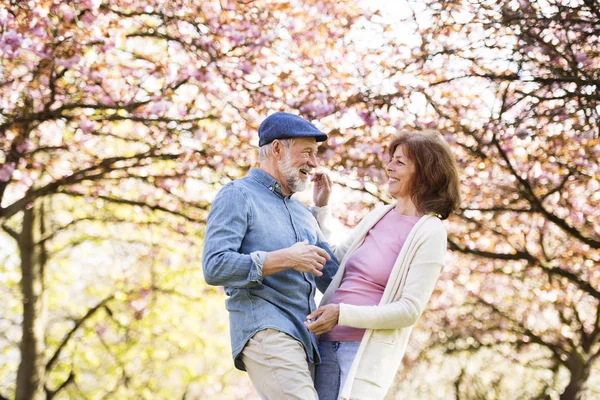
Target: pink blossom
<point>69,62</point>
<point>39,31</point>
<point>158,108</point>
<point>167,184</point>
<point>328,155</point>
<point>101,329</point>
<point>367,117</point>
<point>23,147</point>
<point>10,44</point>
<point>322,97</point>
<point>106,99</point>
<point>86,125</point>
<point>318,110</point>
<point>430,125</point>
<point>198,74</point>
<point>44,53</point>
<point>98,75</point>
<point>450,139</point>
<point>88,18</point>
<point>91,4</point>
<point>246,67</point>
<point>67,12</point>
<point>6,171</point>
<point>93,89</point>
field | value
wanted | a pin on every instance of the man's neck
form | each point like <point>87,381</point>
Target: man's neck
<point>271,168</point>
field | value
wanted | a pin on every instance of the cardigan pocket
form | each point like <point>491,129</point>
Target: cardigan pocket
<point>387,336</point>
<point>372,363</point>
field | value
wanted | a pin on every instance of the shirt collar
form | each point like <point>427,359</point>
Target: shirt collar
<point>266,180</point>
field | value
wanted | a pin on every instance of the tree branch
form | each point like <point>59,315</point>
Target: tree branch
<point>152,207</point>
<point>520,255</point>
<point>554,348</point>
<point>97,171</point>
<point>51,393</point>
<point>537,204</point>
<point>78,324</point>
<point>10,231</point>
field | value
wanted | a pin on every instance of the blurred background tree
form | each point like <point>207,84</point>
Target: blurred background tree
<point>120,120</point>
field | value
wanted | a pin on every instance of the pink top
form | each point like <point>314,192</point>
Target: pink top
<point>368,269</point>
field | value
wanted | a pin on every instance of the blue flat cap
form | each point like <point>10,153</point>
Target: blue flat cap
<point>283,125</point>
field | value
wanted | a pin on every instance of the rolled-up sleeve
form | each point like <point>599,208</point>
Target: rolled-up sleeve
<point>227,223</point>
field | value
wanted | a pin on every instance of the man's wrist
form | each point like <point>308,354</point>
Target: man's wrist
<point>258,261</point>
<point>277,260</point>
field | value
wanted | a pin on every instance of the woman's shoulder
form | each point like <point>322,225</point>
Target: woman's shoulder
<point>433,226</point>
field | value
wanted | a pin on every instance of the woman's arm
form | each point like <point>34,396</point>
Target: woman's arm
<point>405,312</point>
<point>340,238</point>
<point>420,282</point>
<point>333,231</point>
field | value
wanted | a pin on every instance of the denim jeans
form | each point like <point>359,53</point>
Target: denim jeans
<point>331,373</point>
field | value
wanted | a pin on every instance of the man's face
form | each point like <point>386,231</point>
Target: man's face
<point>297,163</point>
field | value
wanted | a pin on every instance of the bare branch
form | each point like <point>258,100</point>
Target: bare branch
<point>51,393</point>
<point>87,174</point>
<point>10,231</point>
<point>78,324</point>
<point>152,207</point>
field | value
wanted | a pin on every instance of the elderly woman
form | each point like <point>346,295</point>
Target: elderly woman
<point>390,264</point>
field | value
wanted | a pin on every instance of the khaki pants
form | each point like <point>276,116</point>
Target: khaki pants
<point>278,366</point>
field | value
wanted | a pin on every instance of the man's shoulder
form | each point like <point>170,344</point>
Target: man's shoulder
<point>239,184</point>
<point>242,187</point>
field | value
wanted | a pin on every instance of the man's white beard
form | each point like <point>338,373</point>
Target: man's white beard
<point>292,175</point>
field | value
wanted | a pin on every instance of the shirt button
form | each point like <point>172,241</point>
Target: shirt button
<point>270,187</point>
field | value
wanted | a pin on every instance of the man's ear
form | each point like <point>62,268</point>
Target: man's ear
<point>277,149</point>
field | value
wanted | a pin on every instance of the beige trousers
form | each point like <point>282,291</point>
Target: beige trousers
<point>278,366</point>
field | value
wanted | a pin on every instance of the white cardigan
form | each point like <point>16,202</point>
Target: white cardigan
<point>389,324</point>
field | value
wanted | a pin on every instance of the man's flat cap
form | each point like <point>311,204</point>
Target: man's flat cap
<point>283,125</point>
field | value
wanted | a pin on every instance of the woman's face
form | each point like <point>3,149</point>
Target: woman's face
<point>400,171</point>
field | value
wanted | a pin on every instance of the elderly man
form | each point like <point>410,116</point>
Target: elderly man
<point>267,250</point>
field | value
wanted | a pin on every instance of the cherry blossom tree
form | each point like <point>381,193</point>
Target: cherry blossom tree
<point>514,87</point>
<point>119,120</point>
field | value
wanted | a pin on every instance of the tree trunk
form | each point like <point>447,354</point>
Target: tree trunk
<point>31,372</point>
<point>580,372</point>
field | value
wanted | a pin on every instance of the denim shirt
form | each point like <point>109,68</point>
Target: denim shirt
<point>248,218</point>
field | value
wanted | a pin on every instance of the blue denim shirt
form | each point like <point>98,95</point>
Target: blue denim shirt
<point>248,218</point>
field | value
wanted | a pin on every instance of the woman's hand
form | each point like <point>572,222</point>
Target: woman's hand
<point>322,189</point>
<point>328,317</point>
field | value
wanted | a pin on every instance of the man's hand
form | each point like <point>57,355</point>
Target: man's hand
<point>328,317</point>
<point>321,189</point>
<point>308,258</point>
<point>301,256</point>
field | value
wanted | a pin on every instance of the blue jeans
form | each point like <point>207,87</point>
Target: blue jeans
<point>331,373</point>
